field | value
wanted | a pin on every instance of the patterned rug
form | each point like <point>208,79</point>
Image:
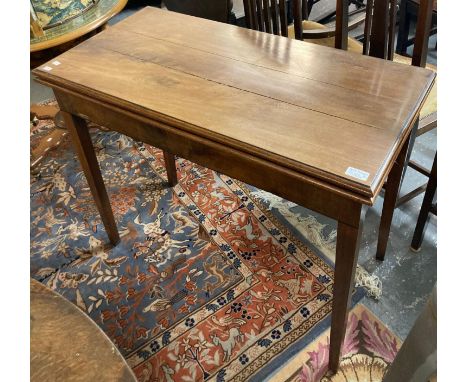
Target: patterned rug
<point>369,349</point>
<point>208,282</point>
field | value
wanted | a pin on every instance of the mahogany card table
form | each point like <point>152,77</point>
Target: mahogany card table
<point>318,126</point>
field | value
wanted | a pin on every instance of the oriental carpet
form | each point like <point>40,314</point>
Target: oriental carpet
<point>207,283</point>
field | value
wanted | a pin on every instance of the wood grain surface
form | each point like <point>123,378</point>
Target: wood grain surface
<point>309,108</point>
<point>66,345</point>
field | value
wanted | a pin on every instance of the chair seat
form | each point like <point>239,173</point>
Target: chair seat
<point>353,45</point>
<point>429,107</point>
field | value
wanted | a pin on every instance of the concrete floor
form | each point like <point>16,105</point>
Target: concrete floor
<point>407,277</point>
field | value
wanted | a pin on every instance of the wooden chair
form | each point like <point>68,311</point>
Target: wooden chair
<point>267,16</point>
<point>428,206</point>
<point>379,32</point>
<point>408,11</point>
<point>271,16</point>
<point>379,41</point>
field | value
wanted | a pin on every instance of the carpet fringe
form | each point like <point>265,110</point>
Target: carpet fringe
<point>308,226</point>
<point>371,283</point>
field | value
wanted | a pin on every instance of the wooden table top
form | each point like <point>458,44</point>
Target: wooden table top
<point>313,109</point>
<point>66,345</point>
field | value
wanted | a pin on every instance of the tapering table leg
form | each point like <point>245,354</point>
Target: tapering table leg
<point>82,141</point>
<point>347,251</point>
<point>391,193</point>
<point>169,160</point>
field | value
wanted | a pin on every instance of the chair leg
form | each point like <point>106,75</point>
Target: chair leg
<point>425,208</point>
<point>412,139</point>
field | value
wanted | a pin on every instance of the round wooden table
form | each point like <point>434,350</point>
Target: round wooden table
<point>63,36</point>
<point>66,345</point>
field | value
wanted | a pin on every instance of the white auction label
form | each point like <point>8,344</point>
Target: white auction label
<point>56,63</point>
<point>356,173</point>
<point>47,68</point>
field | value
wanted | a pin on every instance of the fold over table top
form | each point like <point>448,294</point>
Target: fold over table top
<point>331,115</point>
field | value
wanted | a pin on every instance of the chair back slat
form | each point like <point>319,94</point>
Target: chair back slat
<point>260,20</point>
<point>297,17</point>
<point>274,17</point>
<point>248,14</point>
<point>267,15</point>
<point>378,40</point>
<point>341,26</point>
<point>305,12</point>
<point>367,26</point>
<point>283,18</point>
<point>253,14</point>
<point>421,39</point>
<point>391,30</point>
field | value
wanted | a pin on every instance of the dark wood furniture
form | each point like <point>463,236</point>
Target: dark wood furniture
<point>271,16</point>
<point>216,10</point>
<point>66,345</point>
<point>267,16</point>
<point>379,32</point>
<point>429,121</point>
<point>379,35</point>
<point>344,22</point>
<point>383,44</point>
<point>428,206</point>
<point>409,11</point>
<point>317,126</point>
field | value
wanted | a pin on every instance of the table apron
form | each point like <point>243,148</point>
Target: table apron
<point>286,183</point>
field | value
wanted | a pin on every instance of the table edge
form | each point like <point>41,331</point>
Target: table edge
<point>385,168</point>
